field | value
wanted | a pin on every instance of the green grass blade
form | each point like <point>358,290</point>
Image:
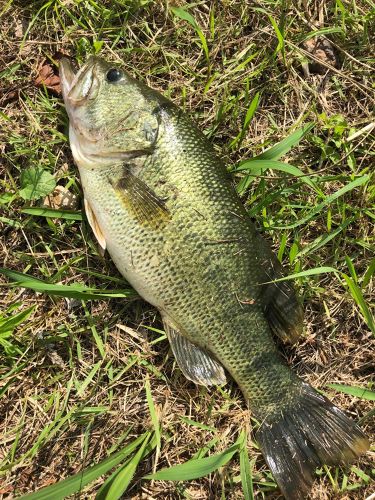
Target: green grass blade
<point>11,222</point>
<point>81,387</point>
<point>280,37</point>
<point>186,16</point>
<point>250,112</point>
<point>32,22</point>
<point>50,212</point>
<point>249,115</point>
<point>198,424</point>
<point>310,272</point>
<point>322,31</point>
<point>284,146</point>
<point>356,293</point>
<point>328,200</point>
<point>75,483</point>
<point>203,40</point>
<point>202,452</point>
<point>257,166</point>
<point>353,288</point>
<point>323,239</point>
<point>154,417</point>
<point>246,472</point>
<point>351,268</point>
<point>365,477</point>
<point>98,339</point>
<point>102,494</point>
<point>123,477</point>
<point>75,291</point>
<point>195,468</point>
<point>369,273</point>
<point>359,392</point>
<point>282,247</point>
<point>9,324</point>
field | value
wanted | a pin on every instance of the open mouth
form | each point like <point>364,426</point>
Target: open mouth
<point>81,85</point>
<point>67,75</point>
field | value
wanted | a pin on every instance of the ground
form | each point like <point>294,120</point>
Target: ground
<point>72,371</point>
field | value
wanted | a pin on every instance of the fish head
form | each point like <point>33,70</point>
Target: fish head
<point>112,116</point>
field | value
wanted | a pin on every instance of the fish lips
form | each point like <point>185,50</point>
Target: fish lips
<point>78,87</point>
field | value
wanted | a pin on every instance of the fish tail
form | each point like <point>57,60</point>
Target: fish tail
<point>308,434</point>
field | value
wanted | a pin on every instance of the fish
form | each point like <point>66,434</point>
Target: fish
<point>160,200</point>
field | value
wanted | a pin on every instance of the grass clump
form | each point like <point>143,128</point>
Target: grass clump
<point>77,345</point>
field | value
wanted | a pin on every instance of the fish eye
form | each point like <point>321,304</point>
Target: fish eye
<point>114,75</point>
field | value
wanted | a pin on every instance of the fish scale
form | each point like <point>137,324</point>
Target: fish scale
<point>201,282</point>
<point>161,202</point>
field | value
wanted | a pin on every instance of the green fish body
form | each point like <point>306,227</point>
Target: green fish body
<point>161,202</point>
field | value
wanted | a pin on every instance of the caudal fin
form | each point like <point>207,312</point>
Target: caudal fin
<point>308,434</point>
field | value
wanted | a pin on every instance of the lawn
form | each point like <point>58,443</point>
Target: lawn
<point>86,373</point>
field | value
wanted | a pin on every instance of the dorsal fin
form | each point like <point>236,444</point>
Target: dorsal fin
<point>283,311</point>
<point>282,307</point>
<point>195,363</point>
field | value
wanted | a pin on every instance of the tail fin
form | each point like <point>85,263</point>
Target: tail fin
<point>310,433</point>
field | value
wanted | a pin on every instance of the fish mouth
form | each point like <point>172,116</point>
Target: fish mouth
<point>79,86</point>
<point>67,76</point>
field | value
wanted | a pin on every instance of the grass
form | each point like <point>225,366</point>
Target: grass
<point>75,358</point>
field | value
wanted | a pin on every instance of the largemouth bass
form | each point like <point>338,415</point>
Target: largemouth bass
<point>161,202</point>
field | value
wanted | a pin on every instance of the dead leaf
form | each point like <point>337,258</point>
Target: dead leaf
<point>9,96</point>
<point>19,29</point>
<point>48,78</point>
<point>61,199</point>
<point>321,49</point>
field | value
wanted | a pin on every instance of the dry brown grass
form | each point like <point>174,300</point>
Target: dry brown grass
<point>47,430</point>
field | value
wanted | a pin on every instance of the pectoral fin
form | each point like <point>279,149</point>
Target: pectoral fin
<point>194,362</point>
<point>141,201</point>
<point>95,226</point>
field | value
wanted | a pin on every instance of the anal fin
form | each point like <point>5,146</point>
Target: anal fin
<point>194,362</point>
<point>95,226</point>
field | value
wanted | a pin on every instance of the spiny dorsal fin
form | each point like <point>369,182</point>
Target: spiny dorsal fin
<point>194,362</point>
<point>95,226</point>
<point>141,201</point>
